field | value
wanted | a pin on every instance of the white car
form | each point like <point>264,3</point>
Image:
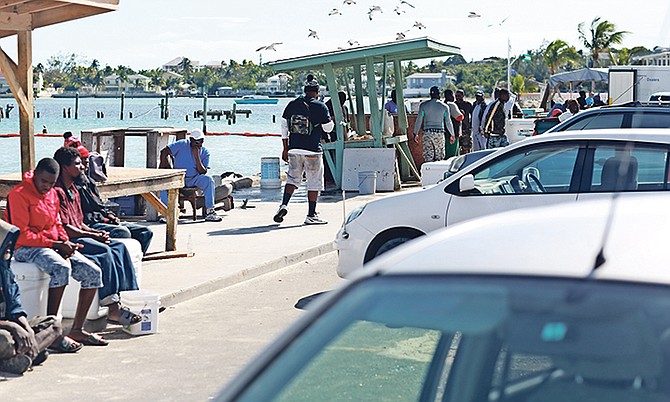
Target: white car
<point>578,312</point>
<point>549,169</point>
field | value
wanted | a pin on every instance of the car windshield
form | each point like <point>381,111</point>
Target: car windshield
<point>463,338</point>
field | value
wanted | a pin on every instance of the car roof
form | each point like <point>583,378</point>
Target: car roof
<point>660,135</point>
<point>557,241</point>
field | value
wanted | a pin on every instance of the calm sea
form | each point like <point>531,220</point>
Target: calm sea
<point>229,153</point>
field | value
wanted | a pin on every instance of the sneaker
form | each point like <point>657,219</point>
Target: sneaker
<point>315,220</point>
<point>40,358</point>
<point>16,365</point>
<point>212,216</point>
<point>281,213</point>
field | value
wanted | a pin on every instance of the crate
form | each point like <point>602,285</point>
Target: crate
<point>127,205</point>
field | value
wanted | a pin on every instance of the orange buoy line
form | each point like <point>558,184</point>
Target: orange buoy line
<point>245,134</point>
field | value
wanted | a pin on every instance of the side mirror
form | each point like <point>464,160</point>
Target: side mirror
<point>467,183</point>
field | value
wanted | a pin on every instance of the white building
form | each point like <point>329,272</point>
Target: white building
<point>175,65</point>
<point>134,82</point>
<point>273,85</point>
<point>655,59</point>
<point>419,84</point>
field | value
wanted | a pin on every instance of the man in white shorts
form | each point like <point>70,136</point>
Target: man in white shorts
<point>304,122</point>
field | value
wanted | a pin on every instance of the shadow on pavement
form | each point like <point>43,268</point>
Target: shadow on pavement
<point>251,230</point>
<point>303,303</point>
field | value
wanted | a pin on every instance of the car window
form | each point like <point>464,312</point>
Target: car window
<point>650,120</point>
<point>625,168</point>
<point>546,169</point>
<point>595,121</point>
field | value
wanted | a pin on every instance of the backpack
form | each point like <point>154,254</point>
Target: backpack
<point>299,123</point>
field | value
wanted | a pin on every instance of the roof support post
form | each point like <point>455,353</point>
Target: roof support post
<point>400,97</point>
<point>375,120</point>
<point>384,78</point>
<point>336,170</point>
<point>360,110</point>
<point>25,80</point>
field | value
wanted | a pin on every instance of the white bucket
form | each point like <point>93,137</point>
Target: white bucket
<point>146,304</point>
<point>270,172</point>
<point>34,286</point>
<point>367,182</point>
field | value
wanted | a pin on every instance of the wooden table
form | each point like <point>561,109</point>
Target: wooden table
<point>133,181</point>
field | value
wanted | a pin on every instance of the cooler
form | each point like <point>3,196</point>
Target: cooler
<point>34,286</point>
<point>433,172</point>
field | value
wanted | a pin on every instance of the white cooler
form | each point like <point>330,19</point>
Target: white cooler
<point>34,286</point>
<point>69,304</point>
<point>433,172</point>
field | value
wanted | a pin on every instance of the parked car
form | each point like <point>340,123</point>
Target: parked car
<point>549,169</point>
<point>463,161</point>
<point>630,115</point>
<point>455,317</point>
<point>660,98</point>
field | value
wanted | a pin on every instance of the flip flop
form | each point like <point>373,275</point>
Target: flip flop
<point>126,318</point>
<point>94,340</point>
<point>66,345</point>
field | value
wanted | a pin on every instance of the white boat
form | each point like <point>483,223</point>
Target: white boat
<point>256,99</point>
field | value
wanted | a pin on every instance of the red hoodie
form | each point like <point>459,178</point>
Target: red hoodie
<point>35,214</point>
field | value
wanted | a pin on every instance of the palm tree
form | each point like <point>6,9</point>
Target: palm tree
<point>558,53</point>
<point>623,57</point>
<point>600,36</point>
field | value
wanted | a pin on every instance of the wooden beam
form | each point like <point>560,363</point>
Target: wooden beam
<point>10,71</point>
<point>65,13</point>
<point>15,22</point>
<point>32,6</point>
<point>107,4</point>
<point>155,202</point>
<point>25,78</point>
<point>172,218</point>
<point>5,4</point>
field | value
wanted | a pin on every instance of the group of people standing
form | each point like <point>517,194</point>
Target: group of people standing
<point>455,126</point>
<point>66,230</point>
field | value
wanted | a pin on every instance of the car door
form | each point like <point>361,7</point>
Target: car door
<point>534,175</point>
<point>628,168</point>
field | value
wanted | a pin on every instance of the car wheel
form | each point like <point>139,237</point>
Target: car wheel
<point>389,241</point>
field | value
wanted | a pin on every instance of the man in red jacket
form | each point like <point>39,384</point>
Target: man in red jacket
<point>33,206</point>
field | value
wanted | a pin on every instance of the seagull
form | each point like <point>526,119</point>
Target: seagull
<point>348,2</point>
<point>374,9</point>
<point>334,11</point>
<point>418,25</point>
<point>312,34</point>
<point>404,2</point>
<point>352,42</point>
<point>398,10</point>
<point>473,14</point>
<point>400,35</point>
<point>269,47</point>
<point>500,23</point>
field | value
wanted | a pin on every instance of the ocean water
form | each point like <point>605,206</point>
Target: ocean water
<point>228,153</point>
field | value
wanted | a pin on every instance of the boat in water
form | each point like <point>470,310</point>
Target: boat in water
<point>256,100</point>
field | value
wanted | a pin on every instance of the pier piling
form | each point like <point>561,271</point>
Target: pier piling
<point>76,106</point>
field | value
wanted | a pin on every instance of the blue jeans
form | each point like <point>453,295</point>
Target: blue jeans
<point>203,182</point>
<point>118,272</point>
<point>50,262</point>
<point>126,231</point>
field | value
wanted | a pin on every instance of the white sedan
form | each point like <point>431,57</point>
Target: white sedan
<point>549,169</point>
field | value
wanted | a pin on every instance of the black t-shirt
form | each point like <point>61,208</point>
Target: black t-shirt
<point>318,114</point>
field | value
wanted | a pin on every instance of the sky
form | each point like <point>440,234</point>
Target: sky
<point>145,34</point>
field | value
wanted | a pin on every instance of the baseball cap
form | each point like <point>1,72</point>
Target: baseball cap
<point>312,86</point>
<point>83,151</point>
<point>479,93</point>
<point>434,90</point>
<point>197,134</point>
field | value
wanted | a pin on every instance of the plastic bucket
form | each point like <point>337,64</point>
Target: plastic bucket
<point>367,182</point>
<point>146,304</point>
<point>270,172</point>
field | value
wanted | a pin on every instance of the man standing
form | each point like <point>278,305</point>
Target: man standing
<point>304,122</point>
<point>478,140</point>
<point>495,120</point>
<point>433,118</point>
<point>466,127</point>
<point>452,145</point>
<point>33,206</point>
<point>191,155</point>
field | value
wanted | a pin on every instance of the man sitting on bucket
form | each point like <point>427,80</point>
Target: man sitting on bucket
<point>191,155</point>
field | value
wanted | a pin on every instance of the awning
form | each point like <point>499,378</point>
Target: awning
<point>585,74</point>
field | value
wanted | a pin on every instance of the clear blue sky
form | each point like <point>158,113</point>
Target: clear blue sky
<point>148,33</point>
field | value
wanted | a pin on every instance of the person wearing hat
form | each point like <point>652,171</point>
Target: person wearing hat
<point>434,118</point>
<point>478,140</point>
<point>466,125</point>
<point>304,123</point>
<point>190,154</point>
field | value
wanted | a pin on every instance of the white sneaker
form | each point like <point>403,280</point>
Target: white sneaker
<point>315,220</point>
<point>212,216</point>
<point>281,213</point>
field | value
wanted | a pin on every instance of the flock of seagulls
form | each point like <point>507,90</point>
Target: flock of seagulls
<point>401,8</point>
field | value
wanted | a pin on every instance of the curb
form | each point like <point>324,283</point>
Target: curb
<point>213,285</point>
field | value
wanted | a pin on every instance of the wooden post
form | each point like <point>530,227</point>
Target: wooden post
<point>162,109</point>
<point>25,80</point>
<point>171,216</point>
<point>204,113</point>
<point>167,108</point>
<point>76,106</point>
<point>123,100</point>
<point>375,120</point>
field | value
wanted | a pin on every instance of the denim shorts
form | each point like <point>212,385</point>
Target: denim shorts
<point>48,260</point>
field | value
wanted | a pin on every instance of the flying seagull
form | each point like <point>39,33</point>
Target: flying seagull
<point>334,11</point>
<point>348,2</point>
<point>373,10</point>
<point>404,2</point>
<point>400,35</point>
<point>473,14</point>
<point>269,47</point>
<point>312,34</point>
<point>500,23</point>
<point>398,10</point>
<point>418,25</point>
<point>352,42</point>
